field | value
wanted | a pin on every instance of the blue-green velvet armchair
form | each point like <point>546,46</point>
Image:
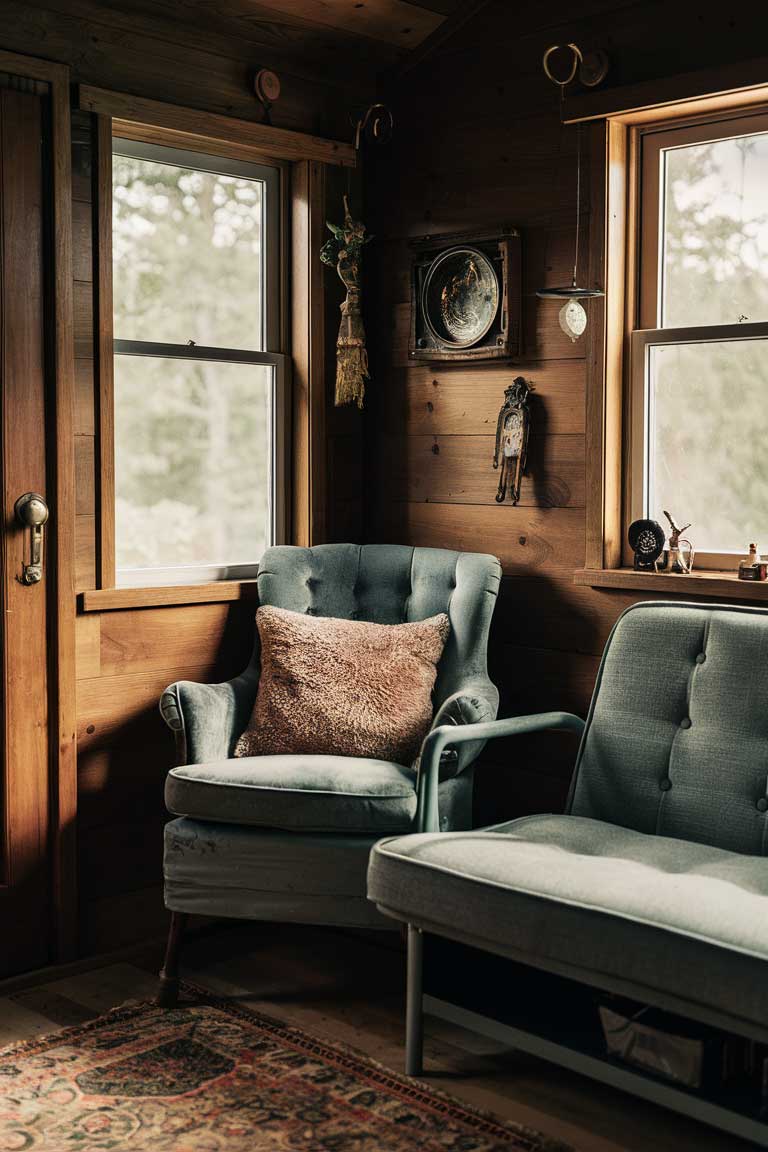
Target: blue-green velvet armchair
<point>288,837</point>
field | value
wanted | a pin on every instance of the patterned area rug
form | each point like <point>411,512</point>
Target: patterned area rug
<point>211,1077</point>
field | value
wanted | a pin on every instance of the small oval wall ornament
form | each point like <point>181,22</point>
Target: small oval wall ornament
<point>266,85</point>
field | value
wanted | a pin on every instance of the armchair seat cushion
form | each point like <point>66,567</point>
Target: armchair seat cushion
<point>618,908</point>
<point>297,793</point>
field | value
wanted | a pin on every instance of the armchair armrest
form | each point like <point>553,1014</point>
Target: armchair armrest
<point>474,701</point>
<point>444,736</point>
<point>207,719</point>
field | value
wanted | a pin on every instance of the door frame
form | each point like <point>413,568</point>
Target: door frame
<point>60,535</point>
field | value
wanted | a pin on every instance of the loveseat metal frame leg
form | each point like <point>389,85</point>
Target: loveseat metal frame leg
<point>414,1011</point>
<point>168,992</point>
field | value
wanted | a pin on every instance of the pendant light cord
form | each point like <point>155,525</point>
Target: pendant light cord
<point>578,202</point>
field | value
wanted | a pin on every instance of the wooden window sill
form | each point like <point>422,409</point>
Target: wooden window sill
<point>703,583</point>
<point>166,596</point>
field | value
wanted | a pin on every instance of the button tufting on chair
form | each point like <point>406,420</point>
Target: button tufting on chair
<point>685,722</point>
<point>701,657</point>
<point>665,784</point>
<point>762,804</point>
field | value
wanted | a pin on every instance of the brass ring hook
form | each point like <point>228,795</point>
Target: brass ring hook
<point>577,60</point>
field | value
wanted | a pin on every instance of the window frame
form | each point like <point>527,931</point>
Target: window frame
<point>644,290</point>
<point>270,355</point>
<point>653,141</point>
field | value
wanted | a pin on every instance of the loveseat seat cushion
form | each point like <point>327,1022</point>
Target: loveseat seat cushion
<point>302,793</point>
<point>618,908</point>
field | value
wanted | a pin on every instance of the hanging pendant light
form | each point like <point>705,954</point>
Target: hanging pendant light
<point>573,318</point>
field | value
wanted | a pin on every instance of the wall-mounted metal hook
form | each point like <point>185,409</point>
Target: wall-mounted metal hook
<point>379,119</point>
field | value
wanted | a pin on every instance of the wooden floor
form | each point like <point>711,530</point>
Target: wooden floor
<point>350,988</point>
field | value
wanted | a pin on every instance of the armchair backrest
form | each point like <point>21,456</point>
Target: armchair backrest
<point>392,584</point>
<point>676,742</point>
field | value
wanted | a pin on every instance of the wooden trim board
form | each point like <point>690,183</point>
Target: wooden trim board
<point>308,494</point>
<point>104,356</point>
<point>687,94</point>
<point>208,131</point>
<point>706,582</point>
<point>115,599</point>
<point>63,760</point>
<point>605,344</point>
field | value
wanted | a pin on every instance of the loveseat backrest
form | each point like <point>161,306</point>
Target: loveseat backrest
<point>676,742</point>
<point>392,584</point>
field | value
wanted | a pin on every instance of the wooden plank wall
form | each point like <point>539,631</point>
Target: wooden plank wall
<point>126,658</point>
<point>478,144</point>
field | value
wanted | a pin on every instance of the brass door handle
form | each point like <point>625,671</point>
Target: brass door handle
<point>31,512</point>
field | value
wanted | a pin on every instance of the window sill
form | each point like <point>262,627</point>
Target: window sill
<point>165,596</point>
<point>703,583</point>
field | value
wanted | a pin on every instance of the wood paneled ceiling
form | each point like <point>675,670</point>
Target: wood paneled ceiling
<point>338,41</point>
<point>404,23</point>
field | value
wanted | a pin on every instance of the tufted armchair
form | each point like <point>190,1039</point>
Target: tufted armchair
<point>288,837</point>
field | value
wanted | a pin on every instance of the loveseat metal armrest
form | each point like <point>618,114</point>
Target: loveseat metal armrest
<point>441,738</point>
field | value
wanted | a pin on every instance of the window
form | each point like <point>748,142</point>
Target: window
<point>198,378</point>
<point>699,359</point>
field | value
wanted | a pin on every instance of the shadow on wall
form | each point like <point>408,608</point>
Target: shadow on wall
<point>125,751</point>
<point>521,775</point>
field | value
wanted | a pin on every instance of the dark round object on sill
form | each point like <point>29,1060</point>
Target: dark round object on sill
<point>646,539</point>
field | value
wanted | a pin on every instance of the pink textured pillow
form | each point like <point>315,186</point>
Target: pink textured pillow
<point>343,687</point>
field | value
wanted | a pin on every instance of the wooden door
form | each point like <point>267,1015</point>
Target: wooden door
<point>25,872</point>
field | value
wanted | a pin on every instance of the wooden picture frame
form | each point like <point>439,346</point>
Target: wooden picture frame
<point>502,340</point>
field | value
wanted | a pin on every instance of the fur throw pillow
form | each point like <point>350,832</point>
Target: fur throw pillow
<point>343,687</point>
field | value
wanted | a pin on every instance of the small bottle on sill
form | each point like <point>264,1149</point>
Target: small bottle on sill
<point>753,567</point>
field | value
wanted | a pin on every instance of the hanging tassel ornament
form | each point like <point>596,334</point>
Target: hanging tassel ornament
<point>344,252</point>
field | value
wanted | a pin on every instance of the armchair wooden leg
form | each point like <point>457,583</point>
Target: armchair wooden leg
<point>414,1014</point>
<point>168,992</point>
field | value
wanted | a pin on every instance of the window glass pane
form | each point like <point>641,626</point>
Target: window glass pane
<point>708,414</point>
<point>715,232</point>
<point>187,251</point>
<point>192,462</point>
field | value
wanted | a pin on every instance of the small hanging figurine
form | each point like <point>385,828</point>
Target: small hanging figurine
<point>344,251</point>
<point>680,550</point>
<point>512,432</point>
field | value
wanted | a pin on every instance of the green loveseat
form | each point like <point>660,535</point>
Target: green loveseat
<point>654,882</point>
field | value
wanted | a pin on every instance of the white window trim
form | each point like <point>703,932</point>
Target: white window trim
<point>641,341</point>
<point>271,356</point>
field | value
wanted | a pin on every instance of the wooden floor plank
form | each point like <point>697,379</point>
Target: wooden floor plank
<point>18,1023</point>
<point>106,988</point>
<point>61,1011</point>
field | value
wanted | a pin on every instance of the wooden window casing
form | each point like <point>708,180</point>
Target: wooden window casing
<point>270,354</point>
<point>649,329</point>
<point>616,137</point>
<point>304,160</point>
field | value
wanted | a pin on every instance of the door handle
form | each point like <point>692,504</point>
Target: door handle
<point>31,512</point>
